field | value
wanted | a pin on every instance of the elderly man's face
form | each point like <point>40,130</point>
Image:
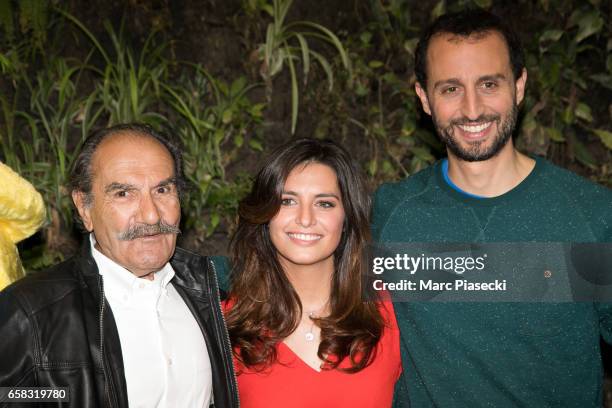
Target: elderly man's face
<point>135,207</point>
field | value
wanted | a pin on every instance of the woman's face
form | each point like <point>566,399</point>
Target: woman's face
<point>308,227</point>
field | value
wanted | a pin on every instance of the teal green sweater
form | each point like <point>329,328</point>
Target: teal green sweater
<point>499,354</point>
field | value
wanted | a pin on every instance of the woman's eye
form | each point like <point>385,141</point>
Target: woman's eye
<point>327,204</point>
<point>121,194</point>
<point>287,201</point>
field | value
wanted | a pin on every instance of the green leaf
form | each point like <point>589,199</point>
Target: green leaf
<point>551,35</point>
<point>88,33</point>
<point>605,136</point>
<point>282,10</point>
<point>568,116</point>
<point>582,154</point>
<point>133,94</point>
<point>361,90</point>
<point>256,110</point>
<point>410,45</point>
<point>574,18</point>
<point>5,64</point>
<point>408,128</point>
<point>555,135</point>
<point>268,9</point>
<point>603,80</point>
<point>326,67</point>
<point>583,111</point>
<point>237,86</point>
<point>591,23</point>
<point>422,153</point>
<point>255,145</point>
<point>38,13</point>
<point>305,55</point>
<point>331,37</point>
<point>214,223</point>
<point>366,37</point>
<point>529,123</point>
<point>551,71</point>
<point>269,47</point>
<point>239,140</point>
<point>218,137</point>
<point>387,167</point>
<point>27,10</point>
<point>372,167</point>
<point>227,116</point>
<point>223,87</point>
<point>6,18</point>
<point>581,83</point>
<point>375,64</point>
<point>438,10</point>
<point>483,3</point>
<point>278,59</point>
<point>295,95</point>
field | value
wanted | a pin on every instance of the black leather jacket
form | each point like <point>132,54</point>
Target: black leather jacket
<point>56,329</point>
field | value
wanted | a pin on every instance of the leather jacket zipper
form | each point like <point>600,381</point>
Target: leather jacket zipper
<point>227,343</point>
<point>102,359</point>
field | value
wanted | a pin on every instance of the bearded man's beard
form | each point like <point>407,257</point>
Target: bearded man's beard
<point>476,150</point>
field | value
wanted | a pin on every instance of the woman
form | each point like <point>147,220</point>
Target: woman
<point>302,334</point>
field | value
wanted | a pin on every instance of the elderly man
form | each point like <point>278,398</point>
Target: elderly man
<point>131,319</point>
<point>471,79</point>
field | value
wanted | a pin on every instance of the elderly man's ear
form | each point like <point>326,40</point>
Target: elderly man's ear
<point>78,197</point>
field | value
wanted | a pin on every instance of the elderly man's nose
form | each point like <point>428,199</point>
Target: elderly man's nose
<point>149,211</point>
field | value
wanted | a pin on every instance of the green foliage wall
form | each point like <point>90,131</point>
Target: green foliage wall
<point>348,77</point>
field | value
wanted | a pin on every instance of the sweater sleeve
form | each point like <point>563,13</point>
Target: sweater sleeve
<point>604,311</point>
<point>379,212</point>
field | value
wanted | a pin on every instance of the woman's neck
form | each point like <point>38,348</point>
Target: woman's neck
<point>312,284</point>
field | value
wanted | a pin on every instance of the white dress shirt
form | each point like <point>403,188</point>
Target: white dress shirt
<point>165,357</point>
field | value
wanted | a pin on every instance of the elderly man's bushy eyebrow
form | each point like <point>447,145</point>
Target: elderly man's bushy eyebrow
<point>167,182</point>
<point>114,186</point>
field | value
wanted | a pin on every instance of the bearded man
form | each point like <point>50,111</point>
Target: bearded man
<point>471,79</point>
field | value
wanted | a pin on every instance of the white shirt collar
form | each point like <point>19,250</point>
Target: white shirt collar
<point>163,348</point>
<point>118,277</point>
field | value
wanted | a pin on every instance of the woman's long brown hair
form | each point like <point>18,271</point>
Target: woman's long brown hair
<point>266,308</point>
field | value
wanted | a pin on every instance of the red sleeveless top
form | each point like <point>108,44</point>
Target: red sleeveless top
<point>290,382</point>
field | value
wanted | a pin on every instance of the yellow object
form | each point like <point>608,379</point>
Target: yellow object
<point>22,212</point>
